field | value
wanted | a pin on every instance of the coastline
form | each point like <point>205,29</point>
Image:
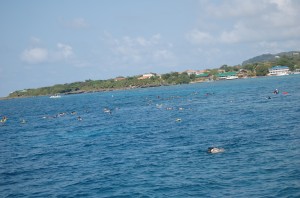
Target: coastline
<point>131,87</point>
<point>90,91</point>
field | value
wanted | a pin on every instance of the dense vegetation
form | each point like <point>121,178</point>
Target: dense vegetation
<point>269,57</point>
<point>264,62</point>
<point>250,68</point>
<point>106,85</point>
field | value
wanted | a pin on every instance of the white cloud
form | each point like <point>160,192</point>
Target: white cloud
<point>138,49</point>
<point>34,55</point>
<point>241,29</point>
<point>198,37</point>
<point>64,51</point>
<point>239,33</point>
<point>232,22</point>
<point>164,54</point>
<point>234,8</point>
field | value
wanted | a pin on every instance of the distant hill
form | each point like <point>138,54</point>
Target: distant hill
<point>265,61</point>
<point>269,57</point>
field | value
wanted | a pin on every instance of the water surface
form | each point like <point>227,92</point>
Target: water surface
<point>140,149</point>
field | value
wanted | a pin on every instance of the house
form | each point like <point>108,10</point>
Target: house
<point>146,76</point>
<point>119,78</point>
<point>201,72</point>
<point>203,75</point>
<point>279,71</point>
<point>190,72</point>
<point>196,72</point>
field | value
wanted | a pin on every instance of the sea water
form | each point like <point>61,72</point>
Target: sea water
<point>153,142</point>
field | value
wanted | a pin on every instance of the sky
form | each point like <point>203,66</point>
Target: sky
<point>43,43</point>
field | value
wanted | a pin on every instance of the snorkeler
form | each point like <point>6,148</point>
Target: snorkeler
<point>215,150</point>
<point>4,118</point>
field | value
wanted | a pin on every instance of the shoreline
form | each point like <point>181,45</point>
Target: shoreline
<point>89,91</point>
<point>127,88</point>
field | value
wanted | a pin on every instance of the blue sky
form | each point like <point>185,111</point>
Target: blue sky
<point>43,43</point>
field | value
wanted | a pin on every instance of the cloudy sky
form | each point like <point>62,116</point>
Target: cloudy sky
<point>43,43</point>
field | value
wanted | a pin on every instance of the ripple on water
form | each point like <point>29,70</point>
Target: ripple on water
<point>142,150</point>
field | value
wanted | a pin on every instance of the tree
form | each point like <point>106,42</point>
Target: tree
<point>249,67</point>
<point>225,67</point>
<point>193,76</point>
<point>183,78</point>
<point>262,70</point>
<point>166,76</point>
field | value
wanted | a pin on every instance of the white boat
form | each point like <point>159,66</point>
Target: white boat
<point>55,96</point>
<point>282,74</point>
<point>231,77</point>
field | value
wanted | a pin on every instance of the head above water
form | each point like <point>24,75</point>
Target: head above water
<point>215,150</point>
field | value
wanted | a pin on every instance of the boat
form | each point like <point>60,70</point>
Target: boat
<point>279,71</point>
<point>231,77</point>
<point>55,96</point>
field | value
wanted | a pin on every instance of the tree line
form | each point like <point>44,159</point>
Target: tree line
<point>172,78</point>
<point>107,85</point>
<point>262,68</point>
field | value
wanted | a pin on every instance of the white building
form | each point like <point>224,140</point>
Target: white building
<point>146,76</point>
<point>279,71</point>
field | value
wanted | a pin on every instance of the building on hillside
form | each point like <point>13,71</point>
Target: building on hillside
<point>203,77</point>
<point>196,72</point>
<point>279,71</point>
<point>221,70</point>
<point>201,72</point>
<point>148,75</point>
<point>190,72</point>
<point>119,78</point>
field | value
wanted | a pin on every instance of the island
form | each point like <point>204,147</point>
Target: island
<point>266,64</point>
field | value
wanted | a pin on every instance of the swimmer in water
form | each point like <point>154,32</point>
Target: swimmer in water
<point>3,119</point>
<point>215,150</point>
<point>178,120</point>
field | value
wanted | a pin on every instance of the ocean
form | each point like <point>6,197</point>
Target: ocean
<point>152,142</point>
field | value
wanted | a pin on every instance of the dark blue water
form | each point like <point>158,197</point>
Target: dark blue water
<point>140,150</point>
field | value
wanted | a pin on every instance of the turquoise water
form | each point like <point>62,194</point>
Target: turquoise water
<point>152,142</point>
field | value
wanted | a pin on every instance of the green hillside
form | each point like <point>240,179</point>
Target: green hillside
<point>270,57</point>
<point>257,66</point>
